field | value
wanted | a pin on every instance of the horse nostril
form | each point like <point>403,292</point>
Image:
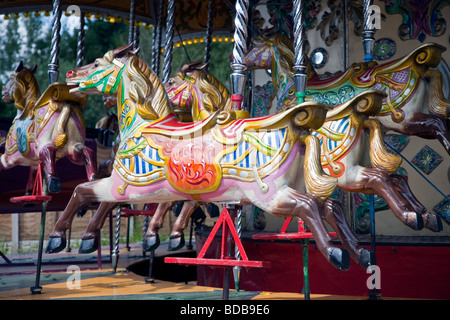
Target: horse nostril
<point>69,73</point>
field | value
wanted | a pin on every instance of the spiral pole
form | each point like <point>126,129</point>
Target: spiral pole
<point>80,43</point>
<point>115,252</point>
<point>239,52</point>
<point>208,37</point>
<point>170,27</point>
<point>53,66</point>
<point>132,22</point>
<point>368,32</point>
<point>159,38</point>
<point>137,34</point>
<point>299,52</point>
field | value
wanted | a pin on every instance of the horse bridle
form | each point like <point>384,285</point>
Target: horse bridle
<point>186,94</point>
<point>113,74</point>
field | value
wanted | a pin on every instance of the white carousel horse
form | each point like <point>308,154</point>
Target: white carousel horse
<point>47,127</point>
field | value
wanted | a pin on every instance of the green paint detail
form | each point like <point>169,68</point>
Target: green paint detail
<point>336,96</point>
<point>132,151</point>
<point>264,148</point>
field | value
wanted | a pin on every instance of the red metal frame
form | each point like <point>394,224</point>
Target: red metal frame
<point>37,196</point>
<point>224,261</point>
<point>302,233</point>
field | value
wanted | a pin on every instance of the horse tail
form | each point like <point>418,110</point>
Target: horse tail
<point>60,137</point>
<point>317,182</point>
<point>437,103</point>
<point>379,155</point>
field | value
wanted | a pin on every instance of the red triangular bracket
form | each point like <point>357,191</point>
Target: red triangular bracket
<point>223,221</point>
<point>227,224</point>
<point>37,196</point>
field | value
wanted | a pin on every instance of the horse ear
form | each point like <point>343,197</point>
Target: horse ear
<point>120,52</point>
<point>203,67</point>
<point>192,66</point>
<point>136,51</point>
<point>34,68</point>
<point>19,67</point>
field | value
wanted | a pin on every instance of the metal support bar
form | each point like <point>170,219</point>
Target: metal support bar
<point>115,253</point>
<point>368,33</point>
<point>208,36</point>
<point>170,28</point>
<point>299,53</point>
<point>80,43</point>
<point>53,67</point>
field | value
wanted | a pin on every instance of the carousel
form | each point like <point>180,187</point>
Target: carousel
<point>317,168</point>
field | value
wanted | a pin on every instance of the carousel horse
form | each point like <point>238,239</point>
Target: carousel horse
<point>414,103</point>
<point>343,131</point>
<point>47,127</point>
<point>162,160</point>
<point>185,91</point>
<point>194,100</point>
<point>393,188</point>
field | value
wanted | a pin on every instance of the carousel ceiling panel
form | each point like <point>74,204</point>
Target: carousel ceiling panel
<point>144,9</point>
<point>191,15</point>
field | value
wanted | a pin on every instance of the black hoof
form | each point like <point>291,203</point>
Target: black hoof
<point>339,258</point>
<point>88,245</point>
<point>364,258</point>
<point>55,244</point>
<point>432,222</point>
<point>54,185</point>
<point>176,242</point>
<point>414,221</point>
<point>150,243</point>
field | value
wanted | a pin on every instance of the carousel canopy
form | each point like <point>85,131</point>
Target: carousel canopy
<point>191,16</point>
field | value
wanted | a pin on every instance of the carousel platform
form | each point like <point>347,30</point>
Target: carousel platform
<point>99,282</point>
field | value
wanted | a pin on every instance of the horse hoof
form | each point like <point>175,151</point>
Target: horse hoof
<point>364,258</point>
<point>339,258</point>
<point>150,243</point>
<point>176,242</point>
<point>54,185</point>
<point>432,222</point>
<point>55,244</point>
<point>88,245</point>
<point>414,220</point>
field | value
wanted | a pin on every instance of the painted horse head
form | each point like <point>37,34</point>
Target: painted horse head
<point>120,72</point>
<point>22,89</point>
<point>265,54</point>
<point>194,91</point>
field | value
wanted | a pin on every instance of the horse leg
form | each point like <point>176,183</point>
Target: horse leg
<point>291,203</point>
<point>151,238</point>
<point>429,126</point>
<point>47,157</point>
<point>82,195</point>
<point>333,213</point>
<point>176,239</point>
<point>431,221</point>
<point>80,154</point>
<point>90,241</point>
<point>377,180</point>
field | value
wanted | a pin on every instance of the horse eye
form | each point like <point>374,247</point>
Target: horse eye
<point>170,82</point>
<point>96,64</point>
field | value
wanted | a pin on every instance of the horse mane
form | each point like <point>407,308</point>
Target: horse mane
<point>28,91</point>
<point>146,90</point>
<point>285,47</point>
<point>215,95</point>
